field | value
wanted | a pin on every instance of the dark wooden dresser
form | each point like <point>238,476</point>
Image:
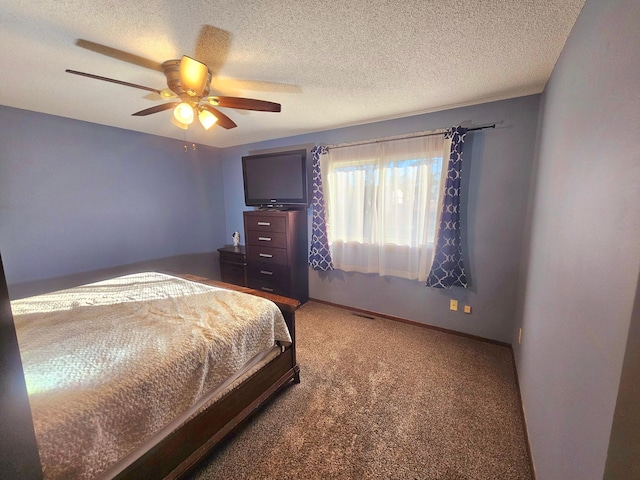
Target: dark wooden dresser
<point>233,265</point>
<point>277,252</point>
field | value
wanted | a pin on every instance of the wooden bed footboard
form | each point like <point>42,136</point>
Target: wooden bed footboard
<point>177,453</point>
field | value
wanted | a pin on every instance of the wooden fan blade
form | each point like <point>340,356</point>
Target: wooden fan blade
<point>119,54</point>
<point>156,109</point>
<point>118,82</point>
<point>212,47</point>
<point>248,104</point>
<point>235,84</point>
<point>223,120</point>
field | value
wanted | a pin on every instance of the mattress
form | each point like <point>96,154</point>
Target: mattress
<point>109,364</point>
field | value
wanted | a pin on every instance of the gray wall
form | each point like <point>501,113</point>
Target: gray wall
<point>584,253</point>
<point>495,192</point>
<point>78,197</point>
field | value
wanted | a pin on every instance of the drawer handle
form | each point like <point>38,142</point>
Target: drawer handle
<point>264,224</point>
<point>264,239</point>
<point>267,289</point>
<point>266,255</point>
<point>266,272</point>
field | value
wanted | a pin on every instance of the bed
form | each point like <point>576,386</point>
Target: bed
<point>140,376</point>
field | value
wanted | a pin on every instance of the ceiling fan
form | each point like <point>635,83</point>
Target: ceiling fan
<point>188,80</point>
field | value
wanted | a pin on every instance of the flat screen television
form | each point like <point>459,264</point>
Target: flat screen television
<point>276,180</point>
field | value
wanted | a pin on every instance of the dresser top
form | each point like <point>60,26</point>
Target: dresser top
<point>232,249</point>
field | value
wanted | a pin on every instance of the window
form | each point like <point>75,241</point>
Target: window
<point>383,201</point>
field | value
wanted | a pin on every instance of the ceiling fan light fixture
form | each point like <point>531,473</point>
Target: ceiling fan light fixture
<point>184,113</point>
<point>207,119</point>
<point>193,76</point>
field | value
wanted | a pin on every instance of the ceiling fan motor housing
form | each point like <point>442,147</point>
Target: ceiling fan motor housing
<point>171,69</point>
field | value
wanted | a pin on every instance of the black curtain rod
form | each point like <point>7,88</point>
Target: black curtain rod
<point>493,125</point>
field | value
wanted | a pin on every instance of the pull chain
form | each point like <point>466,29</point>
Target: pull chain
<point>184,139</point>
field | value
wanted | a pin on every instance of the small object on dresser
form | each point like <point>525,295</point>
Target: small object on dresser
<point>236,238</point>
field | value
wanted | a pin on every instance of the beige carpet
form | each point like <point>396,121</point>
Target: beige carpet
<point>386,400</point>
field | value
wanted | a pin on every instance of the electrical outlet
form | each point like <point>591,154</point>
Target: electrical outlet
<point>519,336</point>
<point>467,309</point>
<point>453,305</point>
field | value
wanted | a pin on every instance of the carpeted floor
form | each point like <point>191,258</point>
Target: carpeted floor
<point>383,400</point>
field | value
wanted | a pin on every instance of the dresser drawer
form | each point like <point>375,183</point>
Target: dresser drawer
<point>267,239</point>
<point>232,273</point>
<point>273,256</point>
<point>232,257</point>
<point>267,271</point>
<point>278,289</point>
<point>265,223</point>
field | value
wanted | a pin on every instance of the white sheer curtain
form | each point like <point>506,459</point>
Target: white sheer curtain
<point>383,201</point>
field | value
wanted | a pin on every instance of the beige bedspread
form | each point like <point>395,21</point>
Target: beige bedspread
<point>110,363</point>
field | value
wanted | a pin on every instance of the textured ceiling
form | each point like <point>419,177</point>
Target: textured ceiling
<point>329,63</point>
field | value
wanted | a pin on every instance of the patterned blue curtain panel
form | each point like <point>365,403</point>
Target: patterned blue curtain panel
<point>447,269</point>
<point>319,253</point>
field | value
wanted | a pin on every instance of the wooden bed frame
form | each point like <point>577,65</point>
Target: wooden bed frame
<point>175,454</point>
